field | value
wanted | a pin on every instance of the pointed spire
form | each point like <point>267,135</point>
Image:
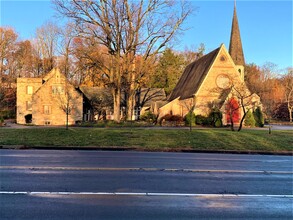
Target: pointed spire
<point>235,48</point>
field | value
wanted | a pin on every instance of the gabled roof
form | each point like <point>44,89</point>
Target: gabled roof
<point>94,92</point>
<point>193,76</point>
<point>46,79</point>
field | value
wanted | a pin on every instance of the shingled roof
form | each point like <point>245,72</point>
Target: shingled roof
<point>193,76</point>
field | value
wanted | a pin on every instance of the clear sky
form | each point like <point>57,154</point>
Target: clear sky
<point>265,26</point>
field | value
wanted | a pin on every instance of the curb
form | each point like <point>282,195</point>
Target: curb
<point>116,148</point>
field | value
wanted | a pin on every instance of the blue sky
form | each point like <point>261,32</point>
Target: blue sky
<point>265,26</point>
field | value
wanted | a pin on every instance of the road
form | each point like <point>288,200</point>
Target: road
<point>42,184</point>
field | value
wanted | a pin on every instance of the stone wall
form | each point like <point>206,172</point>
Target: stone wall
<point>25,86</point>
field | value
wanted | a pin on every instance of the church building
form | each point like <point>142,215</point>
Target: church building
<point>215,80</point>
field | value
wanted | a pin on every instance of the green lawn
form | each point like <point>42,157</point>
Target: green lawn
<point>151,139</point>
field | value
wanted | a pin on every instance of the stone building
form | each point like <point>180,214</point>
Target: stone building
<point>215,80</point>
<point>47,100</point>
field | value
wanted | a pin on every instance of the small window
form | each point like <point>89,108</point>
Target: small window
<point>29,106</point>
<point>57,89</point>
<point>58,78</point>
<point>223,58</point>
<point>47,109</point>
<point>29,90</point>
<point>47,123</point>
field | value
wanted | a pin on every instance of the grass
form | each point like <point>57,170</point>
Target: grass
<point>151,139</point>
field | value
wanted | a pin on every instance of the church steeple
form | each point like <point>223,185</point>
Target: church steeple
<point>235,48</point>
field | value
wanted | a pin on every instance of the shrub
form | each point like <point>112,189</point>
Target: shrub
<point>8,114</point>
<point>190,117</point>
<point>173,120</point>
<point>1,120</point>
<point>258,117</point>
<point>200,119</point>
<point>203,120</point>
<point>148,116</point>
<point>218,123</point>
<point>176,118</point>
<point>215,118</point>
<point>249,119</point>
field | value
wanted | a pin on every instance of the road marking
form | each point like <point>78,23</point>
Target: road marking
<point>140,194</point>
<point>144,169</point>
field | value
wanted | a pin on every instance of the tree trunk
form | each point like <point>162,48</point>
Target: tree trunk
<point>241,122</point>
<point>290,112</point>
<point>131,93</point>
<point>130,107</point>
<point>66,119</point>
<point>231,121</point>
<point>117,101</point>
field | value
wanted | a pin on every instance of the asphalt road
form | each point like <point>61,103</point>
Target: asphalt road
<point>41,184</point>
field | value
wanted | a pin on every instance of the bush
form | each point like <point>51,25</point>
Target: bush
<point>148,116</point>
<point>215,118</point>
<point>200,119</point>
<point>8,114</point>
<point>1,120</point>
<point>218,123</point>
<point>173,120</point>
<point>258,117</point>
<point>249,119</point>
<point>190,117</point>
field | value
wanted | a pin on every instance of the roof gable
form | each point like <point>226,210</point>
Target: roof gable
<point>193,76</point>
<point>221,64</point>
<point>54,77</point>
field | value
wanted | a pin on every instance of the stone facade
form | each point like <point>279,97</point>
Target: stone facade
<point>24,93</point>
<point>47,100</point>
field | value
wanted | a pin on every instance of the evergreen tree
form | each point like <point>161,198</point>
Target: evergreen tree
<point>258,117</point>
<point>168,71</point>
<point>249,119</point>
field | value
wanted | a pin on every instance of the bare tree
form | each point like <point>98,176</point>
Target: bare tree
<point>127,29</point>
<point>65,49</point>
<point>189,105</point>
<point>66,100</point>
<point>47,41</point>
<point>288,84</point>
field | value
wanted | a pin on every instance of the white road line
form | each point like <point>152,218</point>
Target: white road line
<point>140,194</point>
<point>144,169</point>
